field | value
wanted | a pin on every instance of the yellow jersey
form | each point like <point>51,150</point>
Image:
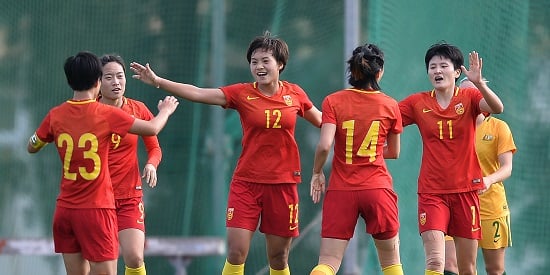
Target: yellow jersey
<point>493,137</point>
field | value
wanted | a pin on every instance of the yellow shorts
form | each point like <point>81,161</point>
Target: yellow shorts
<point>496,233</point>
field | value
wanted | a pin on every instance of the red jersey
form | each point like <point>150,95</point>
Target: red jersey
<point>449,160</point>
<point>269,151</point>
<point>123,155</point>
<point>82,133</point>
<point>363,120</point>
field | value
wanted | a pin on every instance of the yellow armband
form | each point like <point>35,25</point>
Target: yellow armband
<point>35,142</point>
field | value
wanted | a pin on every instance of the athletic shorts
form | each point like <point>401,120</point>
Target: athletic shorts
<point>377,207</point>
<point>276,205</point>
<point>496,233</point>
<point>130,213</point>
<point>90,231</point>
<point>455,214</point>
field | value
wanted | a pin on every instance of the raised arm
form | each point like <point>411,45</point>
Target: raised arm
<point>212,96</point>
<point>491,102</point>
<point>154,126</point>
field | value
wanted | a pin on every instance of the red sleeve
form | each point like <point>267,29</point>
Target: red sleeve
<point>406,108</point>
<point>152,146</point>
<point>327,112</point>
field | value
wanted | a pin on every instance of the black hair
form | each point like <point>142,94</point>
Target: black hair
<point>364,65</point>
<point>82,70</point>
<point>108,58</point>
<point>447,51</point>
<point>267,42</point>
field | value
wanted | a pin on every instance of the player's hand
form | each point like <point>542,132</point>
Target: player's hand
<point>486,184</point>
<point>144,73</point>
<point>150,175</point>
<point>317,186</point>
<point>476,64</point>
<point>169,104</point>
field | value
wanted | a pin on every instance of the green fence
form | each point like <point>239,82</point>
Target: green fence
<point>204,43</point>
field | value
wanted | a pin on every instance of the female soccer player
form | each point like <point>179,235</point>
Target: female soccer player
<point>495,148</point>
<point>264,184</point>
<point>124,166</point>
<point>450,176</point>
<point>84,223</point>
<point>365,126</point>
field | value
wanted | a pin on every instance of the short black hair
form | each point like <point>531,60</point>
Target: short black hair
<point>82,70</point>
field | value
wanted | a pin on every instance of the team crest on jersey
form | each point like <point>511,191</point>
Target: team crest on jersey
<point>230,213</point>
<point>459,108</point>
<point>422,218</point>
<point>487,137</point>
<point>288,100</point>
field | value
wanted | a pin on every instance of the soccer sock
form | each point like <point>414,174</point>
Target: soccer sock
<point>431,272</point>
<point>395,269</point>
<point>285,271</point>
<point>135,271</point>
<point>322,269</point>
<point>446,272</point>
<point>504,272</point>
<point>231,269</point>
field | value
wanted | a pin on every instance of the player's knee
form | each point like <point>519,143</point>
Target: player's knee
<point>133,261</point>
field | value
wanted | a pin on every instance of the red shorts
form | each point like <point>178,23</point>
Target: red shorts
<point>377,207</point>
<point>455,214</point>
<point>92,232</point>
<point>130,213</point>
<point>276,205</point>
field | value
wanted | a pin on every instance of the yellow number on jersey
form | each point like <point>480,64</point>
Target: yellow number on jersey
<point>368,146</point>
<point>277,114</point>
<point>65,140</point>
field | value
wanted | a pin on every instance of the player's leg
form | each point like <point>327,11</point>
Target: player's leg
<point>466,254</point>
<point>496,236</point>
<point>433,218</point>
<point>132,242</point>
<point>279,202</point>
<point>465,227</point>
<point>75,264</point>
<point>434,249</point>
<point>238,244</point>
<point>103,268</point>
<point>131,234</point>
<point>278,249</point>
<point>331,253</point>
<point>378,207</point>
<point>388,255</point>
<point>494,261</point>
<point>243,214</point>
<point>451,268</point>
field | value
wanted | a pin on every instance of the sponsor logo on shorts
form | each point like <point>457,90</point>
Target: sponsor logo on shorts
<point>292,228</point>
<point>422,218</point>
<point>230,213</point>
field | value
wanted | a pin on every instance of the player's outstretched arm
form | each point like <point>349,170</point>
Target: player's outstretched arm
<point>212,96</point>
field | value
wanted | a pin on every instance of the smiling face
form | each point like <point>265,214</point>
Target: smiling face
<point>442,73</point>
<point>264,67</point>
<point>113,82</point>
